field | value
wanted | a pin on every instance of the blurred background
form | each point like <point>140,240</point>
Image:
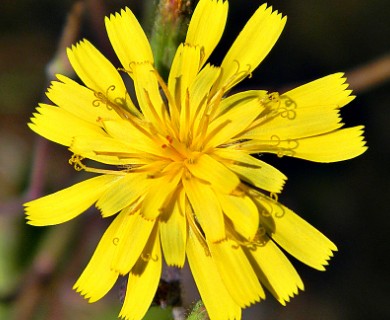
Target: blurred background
<point>348,201</point>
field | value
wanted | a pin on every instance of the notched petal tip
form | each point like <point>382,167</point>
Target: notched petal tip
<point>252,45</point>
<point>323,262</point>
<point>207,25</point>
<point>127,38</point>
<point>76,46</point>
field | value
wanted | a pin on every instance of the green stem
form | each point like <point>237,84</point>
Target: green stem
<point>169,29</point>
<point>198,312</point>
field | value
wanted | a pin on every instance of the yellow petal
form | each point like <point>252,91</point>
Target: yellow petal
<point>328,90</point>
<point>188,72</point>
<point>252,170</point>
<point>128,38</point>
<point>119,143</point>
<point>175,73</point>
<point>216,298</point>
<point>206,207</point>
<point>79,101</point>
<point>236,272</point>
<point>148,93</point>
<point>60,126</point>
<point>242,212</point>
<point>173,232</point>
<point>68,203</point>
<point>143,281</point>
<point>340,145</point>
<point>100,147</point>
<point>185,67</point>
<point>96,71</point>
<point>160,191</point>
<point>252,45</point>
<point>130,240</point>
<point>295,235</point>
<point>98,277</point>
<point>241,98</point>
<point>138,137</point>
<point>308,110</point>
<point>275,271</point>
<point>226,127</point>
<point>335,146</point>
<point>288,123</point>
<point>200,89</point>
<point>207,168</point>
<point>122,193</point>
<point>207,25</point>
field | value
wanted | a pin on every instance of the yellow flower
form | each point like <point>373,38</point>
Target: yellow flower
<point>180,173</point>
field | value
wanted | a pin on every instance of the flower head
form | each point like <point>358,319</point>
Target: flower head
<point>181,174</point>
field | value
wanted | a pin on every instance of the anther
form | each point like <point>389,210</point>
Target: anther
<point>170,139</point>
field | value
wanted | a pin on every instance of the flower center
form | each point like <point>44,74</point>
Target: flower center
<point>177,151</point>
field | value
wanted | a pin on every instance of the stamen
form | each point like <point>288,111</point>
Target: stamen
<point>170,140</point>
<point>279,213</point>
<point>75,161</point>
<point>238,76</point>
<point>203,102</point>
<point>103,98</point>
<point>281,105</point>
<point>289,110</point>
<point>139,124</point>
<point>289,149</point>
<point>274,196</point>
<point>260,239</point>
<point>214,132</point>
<point>268,206</point>
<point>239,240</point>
<point>174,150</point>
<point>127,104</point>
<point>271,100</point>
<point>153,169</point>
<point>269,112</point>
<point>204,113</point>
<point>275,145</point>
<point>213,103</point>
<point>163,126</point>
<point>120,155</point>
<point>152,108</point>
<point>128,71</point>
<point>194,227</point>
<point>198,141</point>
<point>208,114</point>
<point>173,109</point>
<point>185,120</point>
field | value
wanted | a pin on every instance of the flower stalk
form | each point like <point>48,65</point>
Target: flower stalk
<point>169,29</point>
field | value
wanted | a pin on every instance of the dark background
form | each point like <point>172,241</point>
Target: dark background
<point>348,201</point>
